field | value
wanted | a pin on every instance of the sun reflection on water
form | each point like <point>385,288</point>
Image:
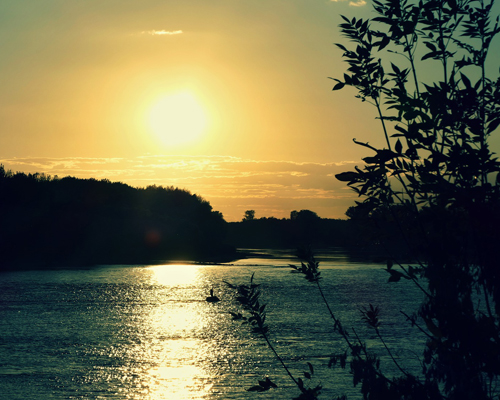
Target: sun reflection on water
<point>175,328</point>
<point>177,382</point>
<point>175,274</point>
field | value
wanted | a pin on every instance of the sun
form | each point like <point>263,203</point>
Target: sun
<point>177,119</point>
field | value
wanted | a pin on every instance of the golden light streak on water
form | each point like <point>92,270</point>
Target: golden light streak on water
<point>178,381</point>
<point>175,275</point>
<point>174,329</point>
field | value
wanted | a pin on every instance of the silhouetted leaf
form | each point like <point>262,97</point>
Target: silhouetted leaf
<point>364,144</point>
<point>237,316</point>
<point>342,47</point>
<point>370,315</point>
<point>338,86</point>
<point>256,388</point>
<point>371,160</point>
<point>384,42</point>
<point>395,275</point>
<point>385,155</point>
<point>432,54</point>
<point>466,81</point>
<point>347,176</point>
<point>492,125</point>
<point>267,384</point>
<point>310,367</point>
<point>398,147</point>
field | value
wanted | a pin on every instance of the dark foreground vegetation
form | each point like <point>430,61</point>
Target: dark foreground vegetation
<point>432,187</point>
<point>49,222</point>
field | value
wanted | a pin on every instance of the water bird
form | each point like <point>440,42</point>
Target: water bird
<point>212,298</point>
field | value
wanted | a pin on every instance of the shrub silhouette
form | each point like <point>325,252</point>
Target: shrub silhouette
<point>434,188</point>
<point>437,179</point>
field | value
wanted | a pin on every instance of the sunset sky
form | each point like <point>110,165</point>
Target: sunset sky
<point>229,99</point>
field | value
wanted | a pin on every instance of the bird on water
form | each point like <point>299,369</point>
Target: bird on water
<point>212,298</point>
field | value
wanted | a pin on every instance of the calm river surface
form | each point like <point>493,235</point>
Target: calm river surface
<point>146,332</point>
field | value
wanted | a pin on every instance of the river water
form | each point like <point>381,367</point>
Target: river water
<point>146,331</point>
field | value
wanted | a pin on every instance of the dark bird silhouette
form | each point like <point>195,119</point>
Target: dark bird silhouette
<point>212,298</point>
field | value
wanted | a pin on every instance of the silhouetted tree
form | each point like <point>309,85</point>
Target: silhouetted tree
<point>249,215</point>
<point>434,188</point>
<point>305,227</point>
<point>47,222</point>
<point>433,185</point>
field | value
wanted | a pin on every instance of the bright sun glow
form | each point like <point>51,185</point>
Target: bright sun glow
<point>175,274</point>
<point>177,119</point>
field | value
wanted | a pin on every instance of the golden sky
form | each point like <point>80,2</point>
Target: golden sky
<point>229,99</point>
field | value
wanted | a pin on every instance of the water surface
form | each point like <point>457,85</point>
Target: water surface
<point>146,332</point>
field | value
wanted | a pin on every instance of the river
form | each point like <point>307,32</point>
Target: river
<point>146,331</point>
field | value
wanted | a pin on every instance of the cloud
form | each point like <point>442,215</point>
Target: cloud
<point>359,3</point>
<point>232,185</point>
<point>161,33</point>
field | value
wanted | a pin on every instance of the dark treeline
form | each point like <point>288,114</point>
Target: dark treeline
<point>303,228</point>
<point>47,221</point>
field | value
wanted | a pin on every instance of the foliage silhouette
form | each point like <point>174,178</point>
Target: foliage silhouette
<point>254,314</point>
<point>249,215</point>
<point>436,181</point>
<point>434,188</point>
<point>50,222</point>
<point>304,227</point>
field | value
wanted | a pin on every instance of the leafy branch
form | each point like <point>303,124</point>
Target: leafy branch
<point>435,187</point>
<point>248,296</point>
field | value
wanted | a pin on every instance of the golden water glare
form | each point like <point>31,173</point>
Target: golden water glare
<point>176,323</point>
<point>174,274</point>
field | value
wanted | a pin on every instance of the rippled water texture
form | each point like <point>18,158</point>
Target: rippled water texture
<point>146,332</point>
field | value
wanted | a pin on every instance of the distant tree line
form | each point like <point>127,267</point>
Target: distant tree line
<point>49,222</point>
<point>303,228</point>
